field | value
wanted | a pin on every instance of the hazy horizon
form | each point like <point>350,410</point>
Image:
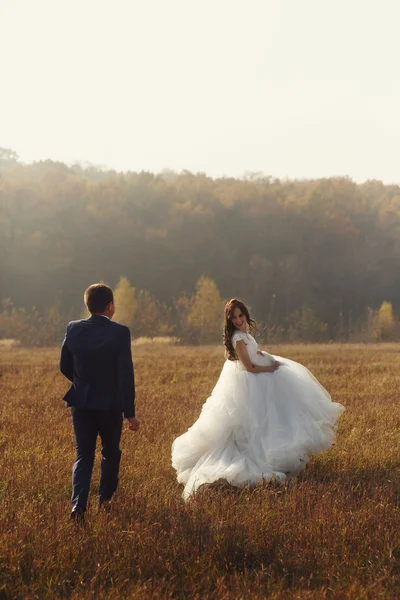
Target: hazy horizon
<point>292,90</point>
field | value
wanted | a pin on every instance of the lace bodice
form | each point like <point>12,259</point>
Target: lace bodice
<point>257,359</point>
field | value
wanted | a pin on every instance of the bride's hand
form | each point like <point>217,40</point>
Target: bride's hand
<point>275,365</point>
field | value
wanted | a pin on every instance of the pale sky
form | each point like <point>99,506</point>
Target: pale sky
<point>291,88</point>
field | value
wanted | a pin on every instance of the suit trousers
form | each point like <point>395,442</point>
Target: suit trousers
<point>87,425</point>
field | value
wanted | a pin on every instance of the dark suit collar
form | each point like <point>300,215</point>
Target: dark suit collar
<point>98,319</point>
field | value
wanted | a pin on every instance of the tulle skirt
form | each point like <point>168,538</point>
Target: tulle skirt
<point>256,427</point>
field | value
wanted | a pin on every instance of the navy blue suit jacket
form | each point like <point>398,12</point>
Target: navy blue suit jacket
<point>96,357</point>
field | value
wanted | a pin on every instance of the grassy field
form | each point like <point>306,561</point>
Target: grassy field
<point>332,533</point>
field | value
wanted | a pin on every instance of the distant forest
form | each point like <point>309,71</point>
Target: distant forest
<point>325,253</point>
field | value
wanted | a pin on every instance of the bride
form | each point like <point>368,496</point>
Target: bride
<point>263,418</point>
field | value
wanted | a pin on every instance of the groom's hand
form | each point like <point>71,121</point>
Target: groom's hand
<point>133,423</point>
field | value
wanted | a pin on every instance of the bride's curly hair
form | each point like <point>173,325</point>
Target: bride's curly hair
<point>229,328</point>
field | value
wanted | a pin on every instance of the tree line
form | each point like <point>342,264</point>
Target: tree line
<point>314,259</point>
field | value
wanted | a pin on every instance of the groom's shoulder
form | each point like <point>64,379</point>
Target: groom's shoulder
<point>72,324</point>
<point>76,325</point>
<point>121,332</point>
<point>120,328</point>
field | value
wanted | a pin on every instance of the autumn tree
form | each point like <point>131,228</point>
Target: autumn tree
<point>305,325</point>
<point>384,323</point>
<point>125,303</point>
<point>153,318</point>
<point>8,157</point>
<point>20,324</point>
<point>206,311</point>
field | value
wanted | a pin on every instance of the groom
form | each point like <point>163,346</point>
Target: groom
<point>96,358</point>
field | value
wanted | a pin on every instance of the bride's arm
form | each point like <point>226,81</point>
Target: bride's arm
<point>243,355</point>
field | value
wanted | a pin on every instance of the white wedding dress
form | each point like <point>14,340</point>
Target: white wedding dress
<point>256,427</point>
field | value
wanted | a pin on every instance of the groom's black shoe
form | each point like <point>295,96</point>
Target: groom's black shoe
<point>78,515</point>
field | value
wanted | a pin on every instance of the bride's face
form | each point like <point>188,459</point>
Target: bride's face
<point>239,320</point>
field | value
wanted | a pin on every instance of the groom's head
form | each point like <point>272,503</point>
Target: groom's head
<point>99,299</point>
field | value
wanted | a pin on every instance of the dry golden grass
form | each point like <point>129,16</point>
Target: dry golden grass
<point>332,533</point>
<point>8,344</point>
<point>166,339</point>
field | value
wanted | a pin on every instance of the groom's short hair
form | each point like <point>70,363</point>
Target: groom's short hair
<point>97,297</point>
